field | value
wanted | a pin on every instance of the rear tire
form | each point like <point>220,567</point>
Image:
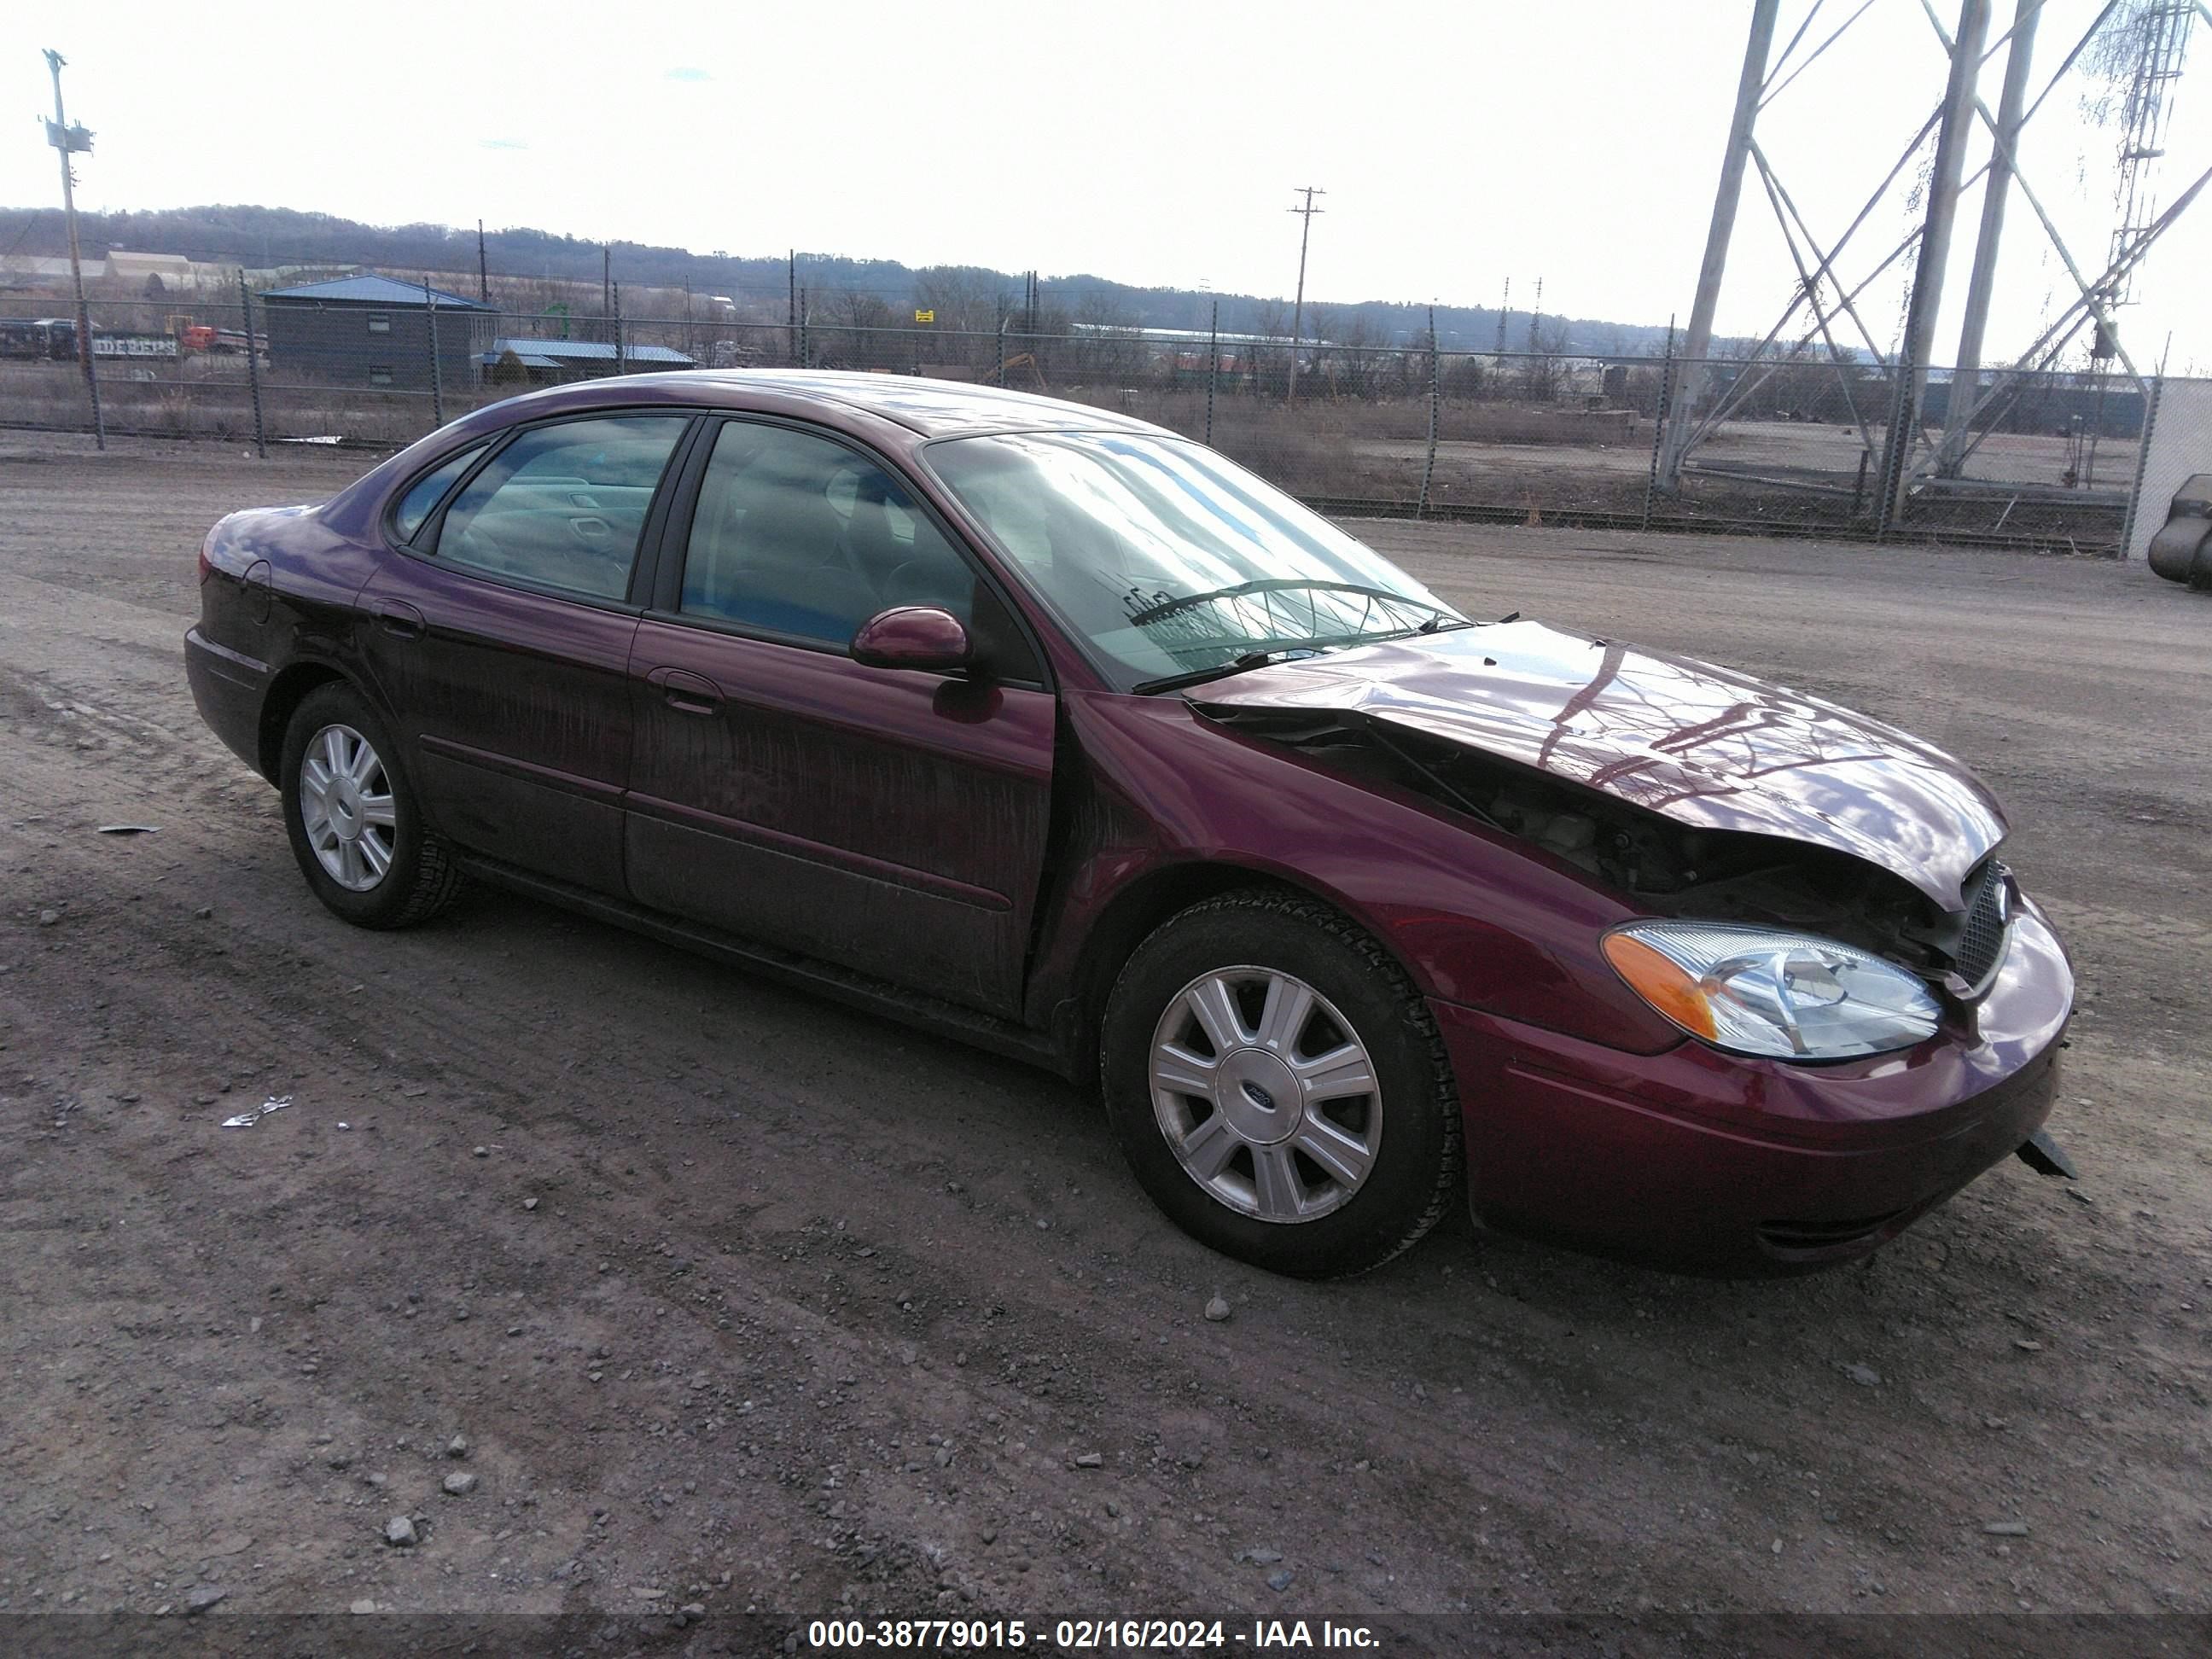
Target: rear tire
<point>355,823</point>
<point>1232,1055</point>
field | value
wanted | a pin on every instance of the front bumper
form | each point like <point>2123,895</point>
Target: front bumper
<point>1709,1162</point>
<point>229,689</point>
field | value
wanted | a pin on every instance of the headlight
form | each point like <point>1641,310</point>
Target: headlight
<point>1757,991</point>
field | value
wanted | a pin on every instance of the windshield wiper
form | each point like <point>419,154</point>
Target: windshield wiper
<point>1199,675</point>
<point>1273,585</point>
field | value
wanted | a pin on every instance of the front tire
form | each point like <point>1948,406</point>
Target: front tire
<point>1278,1088</point>
<point>355,827</point>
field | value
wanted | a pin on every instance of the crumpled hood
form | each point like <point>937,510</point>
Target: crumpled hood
<point>1699,744</point>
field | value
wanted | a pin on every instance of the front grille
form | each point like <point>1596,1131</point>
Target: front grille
<point>1981,947</point>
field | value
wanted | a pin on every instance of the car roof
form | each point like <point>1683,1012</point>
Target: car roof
<point>932,408</point>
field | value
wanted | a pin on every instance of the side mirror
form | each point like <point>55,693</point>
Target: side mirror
<point>913,636</point>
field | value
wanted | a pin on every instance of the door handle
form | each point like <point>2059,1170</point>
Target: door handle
<point>686,693</point>
<point>402,621</point>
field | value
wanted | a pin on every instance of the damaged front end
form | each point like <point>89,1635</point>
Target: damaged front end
<point>1671,869</point>
<point>1703,881</point>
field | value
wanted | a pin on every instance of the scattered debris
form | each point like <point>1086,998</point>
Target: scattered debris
<point>1279,1579</point>
<point>247,1120</point>
<point>2027,1345</point>
<point>1217,1309</point>
<point>48,918</point>
<point>128,829</point>
<point>1865,1376</point>
<point>203,1597</point>
<point>399,1532</point>
<point>459,1486</point>
<point>1090,1460</point>
<point>2007,1529</point>
<point>529,1203</point>
<point>457,1446</point>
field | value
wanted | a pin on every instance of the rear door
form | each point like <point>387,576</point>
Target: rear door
<point>889,821</point>
<point>501,641</point>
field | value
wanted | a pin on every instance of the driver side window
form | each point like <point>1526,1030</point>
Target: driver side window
<point>797,536</point>
<point>563,506</point>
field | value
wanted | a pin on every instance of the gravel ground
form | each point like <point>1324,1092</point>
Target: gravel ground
<point>716,1296</point>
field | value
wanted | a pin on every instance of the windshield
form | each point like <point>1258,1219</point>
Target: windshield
<point>1170,561</point>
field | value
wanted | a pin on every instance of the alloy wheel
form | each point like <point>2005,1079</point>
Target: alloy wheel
<point>347,809</point>
<point>1266,1094</point>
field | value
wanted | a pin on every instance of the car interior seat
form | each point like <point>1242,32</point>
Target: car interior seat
<point>767,551</point>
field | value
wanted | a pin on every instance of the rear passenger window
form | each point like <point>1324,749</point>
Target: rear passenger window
<point>796,535</point>
<point>422,498</point>
<point>563,506</point>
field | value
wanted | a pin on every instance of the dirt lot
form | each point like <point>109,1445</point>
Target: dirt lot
<point>741,1300</point>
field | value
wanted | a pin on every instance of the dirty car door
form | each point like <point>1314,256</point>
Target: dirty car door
<point>889,821</point>
<point>500,642</point>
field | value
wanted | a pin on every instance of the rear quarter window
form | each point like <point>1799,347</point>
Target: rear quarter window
<point>423,496</point>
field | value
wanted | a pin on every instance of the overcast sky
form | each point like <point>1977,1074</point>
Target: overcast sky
<point>1459,143</point>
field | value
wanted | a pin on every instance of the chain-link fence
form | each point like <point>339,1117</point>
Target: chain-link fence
<point>1781,445</point>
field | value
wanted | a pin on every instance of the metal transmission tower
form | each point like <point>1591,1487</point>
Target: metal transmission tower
<point>2159,47</point>
<point>1298,305</point>
<point>1934,255</point>
<point>1966,378</point>
<point>1830,299</point>
<point>1698,344</point>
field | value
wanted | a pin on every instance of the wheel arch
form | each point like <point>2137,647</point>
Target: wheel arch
<point>1148,900</point>
<point>286,693</point>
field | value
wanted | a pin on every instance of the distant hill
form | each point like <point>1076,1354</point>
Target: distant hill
<point>264,239</point>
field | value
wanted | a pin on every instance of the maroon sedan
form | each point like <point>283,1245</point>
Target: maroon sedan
<point>1060,733</point>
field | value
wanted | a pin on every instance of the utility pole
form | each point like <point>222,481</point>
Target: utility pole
<point>1966,379</point>
<point>1944,177</point>
<point>484,271</point>
<point>606,279</point>
<point>791,315</point>
<point>437,380</point>
<point>1213,365</point>
<point>1298,305</point>
<point>1698,343</point>
<point>71,141</point>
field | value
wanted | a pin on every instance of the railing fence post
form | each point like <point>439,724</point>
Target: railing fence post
<point>253,366</point>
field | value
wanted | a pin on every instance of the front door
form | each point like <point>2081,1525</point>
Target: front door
<point>502,643</point>
<point>889,821</point>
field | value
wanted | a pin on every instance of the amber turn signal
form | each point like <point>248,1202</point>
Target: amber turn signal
<point>1662,982</point>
